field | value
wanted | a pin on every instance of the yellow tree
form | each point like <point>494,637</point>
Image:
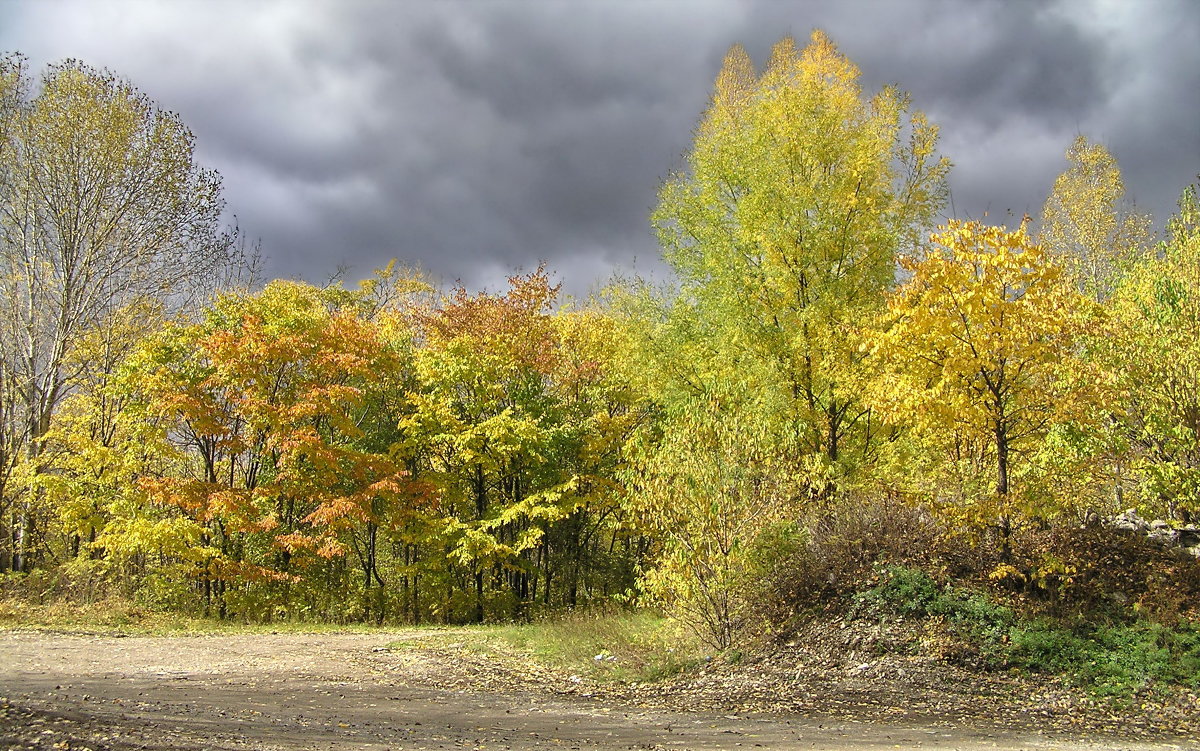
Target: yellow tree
<point>600,407</point>
<point>783,233</point>
<point>519,419</point>
<point>1084,224</point>
<point>102,205</point>
<point>1089,229</point>
<point>1155,352</point>
<point>708,488</point>
<point>90,450</point>
<point>978,355</point>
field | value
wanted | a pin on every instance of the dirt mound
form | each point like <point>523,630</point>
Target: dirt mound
<point>912,673</point>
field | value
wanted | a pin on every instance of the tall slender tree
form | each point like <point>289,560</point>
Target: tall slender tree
<point>101,205</point>
<point>784,231</point>
<point>1086,222</point>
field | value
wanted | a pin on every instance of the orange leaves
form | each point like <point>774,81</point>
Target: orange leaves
<point>336,510</point>
<point>302,415</point>
<point>515,325</point>
<point>238,508</point>
<point>189,496</point>
<point>246,571</point>
<point>270,392</point>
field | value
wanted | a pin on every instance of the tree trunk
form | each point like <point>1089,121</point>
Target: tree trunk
<point>1005,524</point>
<point>479,596</point>
<point>1001,459</point>
<point>480,512</point>
<point>831,446</point>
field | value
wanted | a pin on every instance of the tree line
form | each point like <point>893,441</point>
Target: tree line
<point>394,451</point>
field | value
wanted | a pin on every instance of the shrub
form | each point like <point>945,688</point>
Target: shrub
<point>838,553</point>
<point>904,591</point>
<point>1107,658</point>
<point>1076,571</point>
<point>1111,659</point>
<point>913,593</point>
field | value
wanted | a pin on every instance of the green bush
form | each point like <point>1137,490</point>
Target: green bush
<point>903,591</point>
<point>913,593</point>
<point>1109,659</point>
<point>1046,649</point>
<point>989,621</point>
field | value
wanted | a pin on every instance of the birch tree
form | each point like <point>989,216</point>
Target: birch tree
<point>102,204</point>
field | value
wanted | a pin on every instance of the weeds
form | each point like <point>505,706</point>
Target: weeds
<point>1111,659</point>
<point>1108,659</point>
<point>600,645</point>
<point>125,617</point>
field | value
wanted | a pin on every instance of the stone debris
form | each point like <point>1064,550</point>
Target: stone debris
<point>1185,536</point>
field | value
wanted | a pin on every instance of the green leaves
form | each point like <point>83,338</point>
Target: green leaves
<point>784,235</point>
<point>518,417</point>
<point>1152,350</point>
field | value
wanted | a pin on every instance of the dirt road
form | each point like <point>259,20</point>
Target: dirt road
<point>347,691</point>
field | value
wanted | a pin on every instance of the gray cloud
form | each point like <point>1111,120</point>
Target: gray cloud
<point>476,138</point>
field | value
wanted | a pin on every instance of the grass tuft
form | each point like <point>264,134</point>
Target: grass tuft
<point>599,645</point>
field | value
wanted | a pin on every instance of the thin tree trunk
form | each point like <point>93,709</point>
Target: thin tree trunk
<point>1002,490</point>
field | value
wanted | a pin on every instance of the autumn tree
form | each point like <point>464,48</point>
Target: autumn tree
<point>979,358</point>
<point>263,403</point>
<point>518,421</point>
<point>784,230</point>
<point>101,205</point>
<point>1086,225</point>
<point>601,406</point>
<point>1153,350</point>
<point>783,233</point>
<point>89,450</point>
<point>482,420</point>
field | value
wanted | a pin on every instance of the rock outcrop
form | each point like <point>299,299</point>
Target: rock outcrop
<point>1160,531</point>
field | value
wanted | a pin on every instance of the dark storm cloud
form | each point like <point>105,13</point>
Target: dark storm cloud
<point>559,138</point>
<point>1009,83</point>
<point>476,138</point>
<point>1154,127</point>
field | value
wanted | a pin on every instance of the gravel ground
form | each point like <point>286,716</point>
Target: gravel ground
<point>335,691</point>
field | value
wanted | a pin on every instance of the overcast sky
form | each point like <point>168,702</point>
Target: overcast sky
<point>476,138</point>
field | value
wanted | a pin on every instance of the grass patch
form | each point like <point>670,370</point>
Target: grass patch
<point>599,645</point>
<point>124,617</point>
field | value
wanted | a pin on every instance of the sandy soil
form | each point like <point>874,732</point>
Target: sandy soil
<point>348,691</point>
